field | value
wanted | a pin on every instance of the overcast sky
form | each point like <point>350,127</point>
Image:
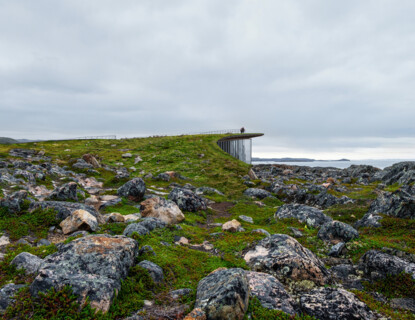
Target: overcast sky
<point>323,79</point>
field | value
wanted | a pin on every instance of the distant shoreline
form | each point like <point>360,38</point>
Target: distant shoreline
<point>294,160</point>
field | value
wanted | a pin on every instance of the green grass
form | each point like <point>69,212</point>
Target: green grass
<point>26,223</point>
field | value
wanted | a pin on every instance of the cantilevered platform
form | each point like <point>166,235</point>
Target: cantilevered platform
<point>239,145</point>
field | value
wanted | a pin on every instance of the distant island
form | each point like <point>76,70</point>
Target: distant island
<point>292,159</point>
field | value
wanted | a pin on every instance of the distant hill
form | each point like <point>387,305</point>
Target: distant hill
<point>5,140</point>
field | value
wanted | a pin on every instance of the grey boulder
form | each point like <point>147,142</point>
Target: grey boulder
<point>187,200</point>
<point>337,230</point>
<point>285,258</point>
<point>223,294</point>
<point>6,295</point>
<point>94,266</point>
<point>257,193</point>
<point>133,189</point>
<point>313,217</point>
<point>270,292</point>
<point>334,304</point>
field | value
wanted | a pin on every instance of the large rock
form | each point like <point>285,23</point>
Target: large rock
<point>65,209</point>
<point>399,204</point>
<point>160,208</point>
<point>337,230</point>
<point>14,201</point>
<point>223,294</point>
<point>334,304</point>
<point>285,258</point>
<point>257,193</point>
<point>270,292</point>
<point>94,266</point>
<point>79,220</point>
<point>402,173</point>
<point>311,216</point>
<point>152,223</point>
<point>7,293</point>
<point>376,265</point>
<point>65,192</point>
<point>27,261</point>
<point>187,200</point>
<point>133,189</point>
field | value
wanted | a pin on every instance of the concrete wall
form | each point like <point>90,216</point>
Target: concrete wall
<point>238,148</point>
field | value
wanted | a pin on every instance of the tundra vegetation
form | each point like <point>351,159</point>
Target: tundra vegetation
<point>314,238</point>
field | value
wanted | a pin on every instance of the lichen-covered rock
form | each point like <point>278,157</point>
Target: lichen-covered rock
<point>65,192</point>
<point>82,164</point>
<point>376,264</point>
<point>285,258</point>
<point>246,219</point>
<point>369,220</point>
<point>14,201</point>
<point>160,208</point>
<point>257,193</point>
<point>402,172</point>
<point>270,292</point>
<point>133,189</point>
<point>94,266</point>
<point>27,261</point>
<point>231,226</point>
<point>156,273</point>
<point>79,220</point>
<point>337,230</point>
<point>7,293</point>
<point>223,294</point>
<point>334,304</point>
<point>311,216</point>
<point>187,200</point>
<point>399,204</point>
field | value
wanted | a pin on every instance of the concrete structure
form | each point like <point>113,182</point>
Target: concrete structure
<point>239,146</point>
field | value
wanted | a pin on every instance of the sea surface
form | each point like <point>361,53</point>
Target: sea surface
<point>381,164</point>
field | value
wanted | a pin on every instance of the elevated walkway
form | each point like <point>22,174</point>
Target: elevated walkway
<point>239,145</point>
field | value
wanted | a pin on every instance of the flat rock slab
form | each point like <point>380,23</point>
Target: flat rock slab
<point>94,266</point>
<point>285,258</point>
<point>160,208</point>
<point>223,294</point>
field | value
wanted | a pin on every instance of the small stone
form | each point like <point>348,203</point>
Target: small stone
<point>246,219</point>
<point>146,250</point>
<point>296,233</point>
<point>231,226</point>
<point>337,250</point>
<point>4,240</point>
<point>43,242</point>
<point>263,231</point>
<point>182,241</point>
<point>127,155</point>
<point>23,241</point>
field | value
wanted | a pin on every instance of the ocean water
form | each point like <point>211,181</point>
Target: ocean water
<point>381,164</point>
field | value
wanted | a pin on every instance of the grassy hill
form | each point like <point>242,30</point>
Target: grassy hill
<point>5,140</point>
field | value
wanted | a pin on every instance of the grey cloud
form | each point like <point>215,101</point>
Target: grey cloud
<point>312,75</point>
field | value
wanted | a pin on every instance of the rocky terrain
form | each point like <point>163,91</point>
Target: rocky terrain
<point>174,228</point>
